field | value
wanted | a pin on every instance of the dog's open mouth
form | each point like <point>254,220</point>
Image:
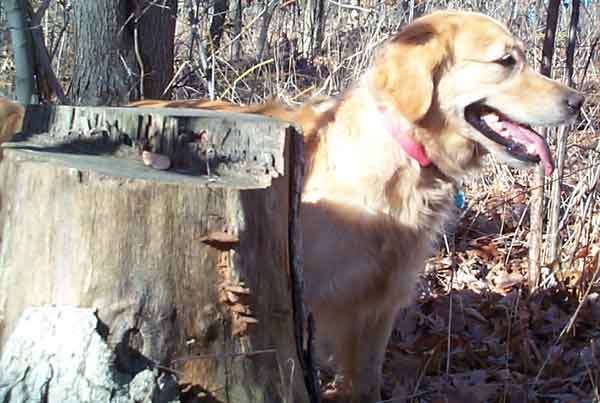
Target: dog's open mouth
<point>520,141</point>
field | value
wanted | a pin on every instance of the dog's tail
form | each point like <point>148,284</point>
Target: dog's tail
<point>310,116</point>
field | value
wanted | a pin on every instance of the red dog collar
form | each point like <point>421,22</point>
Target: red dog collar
<point>399,128</point>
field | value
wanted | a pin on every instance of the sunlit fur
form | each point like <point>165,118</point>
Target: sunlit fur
<point>11,119</point>
<point>370,212</point>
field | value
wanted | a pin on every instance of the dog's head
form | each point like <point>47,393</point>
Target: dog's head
<point>461,82</point>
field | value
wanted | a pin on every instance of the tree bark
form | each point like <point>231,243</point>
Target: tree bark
<point>47,82</point>
<point>21,42</point>
<point>267,15</point>
<point>217,23</point>
<point>191,272</point>
<point>103,56</point>
<point>124,50</point>
<point>156,31</point>
<point>314,24</point>
<point>235,12</point>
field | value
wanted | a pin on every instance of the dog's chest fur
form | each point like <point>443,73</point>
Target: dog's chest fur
<point>370,215</point>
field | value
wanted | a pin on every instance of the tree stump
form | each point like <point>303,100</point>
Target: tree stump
<point>193,270</point>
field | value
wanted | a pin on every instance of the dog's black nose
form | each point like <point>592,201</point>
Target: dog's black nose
<point>574,101</point>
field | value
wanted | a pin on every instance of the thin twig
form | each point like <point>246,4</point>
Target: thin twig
<point>453,267</point>
<point>350,6</point>
<point>220,356</point>
<point>244,74</point>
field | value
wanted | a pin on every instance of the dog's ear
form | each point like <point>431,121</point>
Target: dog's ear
<point>11,119</point>
<point>404,71</point>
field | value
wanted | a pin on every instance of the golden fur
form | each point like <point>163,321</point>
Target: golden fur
<point>11,119</point>
<point>371,212</point>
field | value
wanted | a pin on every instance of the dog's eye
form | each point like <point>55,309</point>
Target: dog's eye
<point>506,61</point>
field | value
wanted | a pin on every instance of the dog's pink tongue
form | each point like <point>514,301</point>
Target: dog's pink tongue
<point>535,144</point>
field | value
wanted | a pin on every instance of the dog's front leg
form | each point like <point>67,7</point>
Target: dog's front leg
<point>370,344</point>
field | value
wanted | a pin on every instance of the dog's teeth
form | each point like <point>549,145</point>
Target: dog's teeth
<point>504,132</point>
<point>491,118</point>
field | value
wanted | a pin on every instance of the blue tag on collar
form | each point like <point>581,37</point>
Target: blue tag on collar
<point>459,199</point>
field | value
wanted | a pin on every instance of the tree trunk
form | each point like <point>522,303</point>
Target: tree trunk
<point>192,272</point>
<point>267,14</point>
<point>235,12</point>
<point>156,41</point>
<point>314,24</point>
<point>217,23</point>
<point>47,82</point>
<point>103,56</point>
<point>21,42</point>
<point>124,50</point>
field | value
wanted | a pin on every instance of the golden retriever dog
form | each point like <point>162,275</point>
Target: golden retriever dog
<point>383,161</point>
<point>11,119</point>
